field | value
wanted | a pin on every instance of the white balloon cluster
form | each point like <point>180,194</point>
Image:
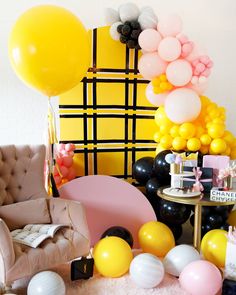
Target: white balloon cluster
<point>147,270</point>
<point>129,12</point>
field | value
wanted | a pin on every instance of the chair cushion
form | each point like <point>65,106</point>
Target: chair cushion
<point>66,245</point>
<point>19,214</point>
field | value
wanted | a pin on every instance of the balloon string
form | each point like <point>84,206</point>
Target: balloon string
<point>52,139</point>
<point>51,124</point>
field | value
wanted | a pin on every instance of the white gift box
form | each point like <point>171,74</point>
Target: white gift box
<point>230,260</point>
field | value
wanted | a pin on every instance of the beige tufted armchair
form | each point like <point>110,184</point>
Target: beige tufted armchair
<point>23,200</point>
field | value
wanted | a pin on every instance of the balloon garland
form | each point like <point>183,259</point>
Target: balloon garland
<point>178,72</point>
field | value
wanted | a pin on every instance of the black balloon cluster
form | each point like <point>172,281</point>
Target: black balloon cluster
<point>154,173</point>
<point>129,33</point>
<point>213,217</point>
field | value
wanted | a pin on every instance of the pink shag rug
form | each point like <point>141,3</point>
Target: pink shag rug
<point>106,286</point>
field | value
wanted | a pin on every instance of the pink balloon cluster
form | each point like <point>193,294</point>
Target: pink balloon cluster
<point>64,170</point>
<point>167,51</point>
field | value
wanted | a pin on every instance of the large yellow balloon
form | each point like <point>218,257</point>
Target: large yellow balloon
<point>49,49</point>
<point>112,257</point>
<point>156,238</point>
<point>213,246</point>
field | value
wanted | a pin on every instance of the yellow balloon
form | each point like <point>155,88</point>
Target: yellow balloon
<point>232,218</point>
<point>213,246</point>
<point>205,139</point>
<point>174,131</point>
<point>204,149</point>
<point>166,141</point>
<point>161,118</point>
<point>216,130</point>
<point>157,136</point>
<point>165,128</point>
<point>233,154</point>
<point>49,49</point>
<point>179,143</point>
<point>193,144</point>
<point>159,149</point>
<point>112,257</point>
<point>187,130</point>
<point>156,238</point>
<point>218,146</point>
<point>199,131</point>
<point>228,137</point>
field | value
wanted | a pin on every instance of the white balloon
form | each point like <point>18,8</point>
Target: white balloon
<point>129,12</point>
<point>146,270</point>
<point>179,72</point>
<point>182,105</point>
<point>113,31</point>
<point>147,9</point>
<point>46,283</point>
<point>111,16</point>
<point>147,20</point>
<point>179,257</point>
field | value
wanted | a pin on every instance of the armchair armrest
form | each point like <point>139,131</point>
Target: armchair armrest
<point>7,254</point>
<point>69,212</point>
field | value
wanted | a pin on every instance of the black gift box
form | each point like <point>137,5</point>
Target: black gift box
<point>207,174</point>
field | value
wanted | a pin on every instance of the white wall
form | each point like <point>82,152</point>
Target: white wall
<point>211,23</point>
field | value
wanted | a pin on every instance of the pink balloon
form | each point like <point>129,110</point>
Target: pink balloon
<point>57,179</point>
<point>199,88</point>
<point>67,161</point>
<point>71,174</point>
<point>170,25</point>
<point>201,277</point>
<point>196,52</point>
<point>169,48</point>
<point>182,105</point>
<point>64,171</point>
<point>61,146</point>
<point>149,40</point>
<point>153,98</point>
<point>69,147</point>
<point>59,161</point>
<point>55,171</point>
<point>179,72</point>
<point>151,65</point>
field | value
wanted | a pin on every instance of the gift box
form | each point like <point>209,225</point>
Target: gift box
<point>217,163</point>
<point>203,178</point>
<point>230,260</point>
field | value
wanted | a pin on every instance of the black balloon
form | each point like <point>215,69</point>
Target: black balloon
<point>214,220</point>
<point>229,287</point>
<point>162,168</point>
<point>173,213</point>
<point>223,211</point>
<point>143,169</point>
<point>121,232</point>
<point>152,186</point>
<point>225,226</point>
<point>192,220</point>
<point>206,228</point>
<point>151,193</point>
<point>177,230</point>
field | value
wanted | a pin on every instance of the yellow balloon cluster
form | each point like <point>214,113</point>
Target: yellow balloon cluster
<point>160,84</point>
<point>206,134</point>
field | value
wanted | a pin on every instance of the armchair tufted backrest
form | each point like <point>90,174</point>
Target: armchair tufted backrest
<point>21,173</point>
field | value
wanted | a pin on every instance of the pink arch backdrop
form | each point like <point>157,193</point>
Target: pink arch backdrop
<point>109,201</point>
